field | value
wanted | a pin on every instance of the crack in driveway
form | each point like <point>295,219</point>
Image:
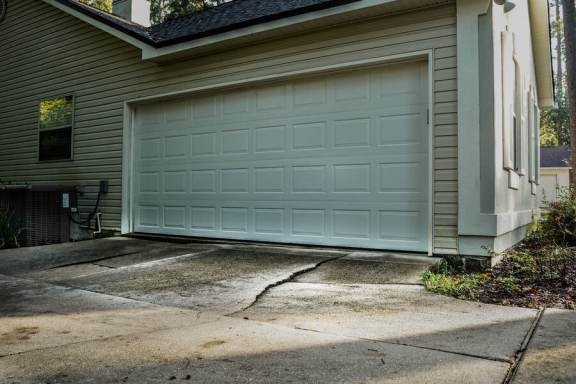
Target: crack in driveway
<point>288,279</point>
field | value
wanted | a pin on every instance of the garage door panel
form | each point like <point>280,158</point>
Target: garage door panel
<point>391,226</point>
<point>337,129</point>
<point>175,217</point>
<point>339,159</point>
<point>396,179</point>
<point>203,218</point>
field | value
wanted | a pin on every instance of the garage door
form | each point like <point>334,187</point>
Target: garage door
<point>339,159</point>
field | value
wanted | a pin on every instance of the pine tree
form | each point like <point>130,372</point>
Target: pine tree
<point>555,125</point>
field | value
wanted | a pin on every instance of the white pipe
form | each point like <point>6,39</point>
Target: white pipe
<point>98,225</point>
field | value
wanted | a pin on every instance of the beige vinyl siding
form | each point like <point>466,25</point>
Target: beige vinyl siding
<point>45,53</point>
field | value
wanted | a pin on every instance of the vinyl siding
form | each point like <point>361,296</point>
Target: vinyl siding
<point>44,53</point>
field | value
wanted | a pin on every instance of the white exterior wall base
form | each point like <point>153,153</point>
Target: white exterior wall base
<point>470,245</point>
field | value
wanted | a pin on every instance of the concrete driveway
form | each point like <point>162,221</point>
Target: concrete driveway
<point>137,311</point>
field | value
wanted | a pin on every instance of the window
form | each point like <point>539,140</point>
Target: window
<point>55,128</point>
<point>536,140</point>
<point>519,123</point>
<point>513,111</point>
<point>508,102</point>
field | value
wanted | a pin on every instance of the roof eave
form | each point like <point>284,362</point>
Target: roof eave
<point>100,23</point>
<point>159,51</point>
<point>319,18</point>
<point>540,26</point>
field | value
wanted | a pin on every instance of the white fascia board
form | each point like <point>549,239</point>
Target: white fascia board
<point>539,25</point>
<point>100,25</point>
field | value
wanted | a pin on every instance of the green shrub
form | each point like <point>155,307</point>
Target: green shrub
<point>10,231</point>
<point>558,224</point>
<point>462,286</point>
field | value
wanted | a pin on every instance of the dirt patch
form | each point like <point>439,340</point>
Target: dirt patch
<point>18,334</point>
<point>534,274</point>
<point>212,344</point>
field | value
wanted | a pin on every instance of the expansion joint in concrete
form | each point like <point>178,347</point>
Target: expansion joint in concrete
<point>519,355</point>
<point>489,358</point>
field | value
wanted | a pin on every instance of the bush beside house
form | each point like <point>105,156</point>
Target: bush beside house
<point>539,272</point>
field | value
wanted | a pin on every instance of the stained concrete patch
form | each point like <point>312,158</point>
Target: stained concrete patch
<point>154,253</point>
<point>36,315</point>
<point>550,354</point>
<point>62,273</point>
<point>238,351</point>
<point>396,257</point>
<point>400,314</point>
<point>354,271</point>
<point>30,259</point>
<point>224,280</point>
<point>372,268</point>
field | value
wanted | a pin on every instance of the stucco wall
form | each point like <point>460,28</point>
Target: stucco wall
<point>500,202</point>
<point>514,206</point>
<point>46,53</point>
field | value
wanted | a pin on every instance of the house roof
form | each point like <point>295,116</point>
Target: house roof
<point>540,30</point>
<point>222,18</point>
<point>241,21</point>
<point>555,157</point>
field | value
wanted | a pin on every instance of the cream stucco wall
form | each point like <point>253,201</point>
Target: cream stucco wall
<point>495,203</point>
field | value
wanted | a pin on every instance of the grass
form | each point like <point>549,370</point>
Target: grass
<point>534,274</point>
<point>461,286</point>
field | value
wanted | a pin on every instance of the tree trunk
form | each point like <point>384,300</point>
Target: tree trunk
<point>569,11</point>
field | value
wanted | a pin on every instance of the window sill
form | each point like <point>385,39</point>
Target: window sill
<point>513,180</point>
<point>534,188</point>
<point>54,161</point>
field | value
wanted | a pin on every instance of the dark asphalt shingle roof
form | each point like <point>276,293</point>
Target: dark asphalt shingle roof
<point>222,18</point>
<point>135,30</point>
<point>554,157</point>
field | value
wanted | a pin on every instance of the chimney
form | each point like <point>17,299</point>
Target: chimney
<point>137,11</point>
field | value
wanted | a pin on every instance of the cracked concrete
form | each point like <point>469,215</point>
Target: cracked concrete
<point>150,312</point>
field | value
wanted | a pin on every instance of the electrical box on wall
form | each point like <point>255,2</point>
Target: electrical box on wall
<point>104,186</point>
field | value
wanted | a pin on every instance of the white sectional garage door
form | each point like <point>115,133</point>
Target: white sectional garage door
<point>338,159</point>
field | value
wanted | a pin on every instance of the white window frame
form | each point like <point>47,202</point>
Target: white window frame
<point>520,120</point>
<point>532,166</point>
<point>536,119</point>
<point>513,119</point>
<point>508,110</point>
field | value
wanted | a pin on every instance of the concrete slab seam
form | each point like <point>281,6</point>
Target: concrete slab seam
<point>496,359</point>
<point>519,355</point>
